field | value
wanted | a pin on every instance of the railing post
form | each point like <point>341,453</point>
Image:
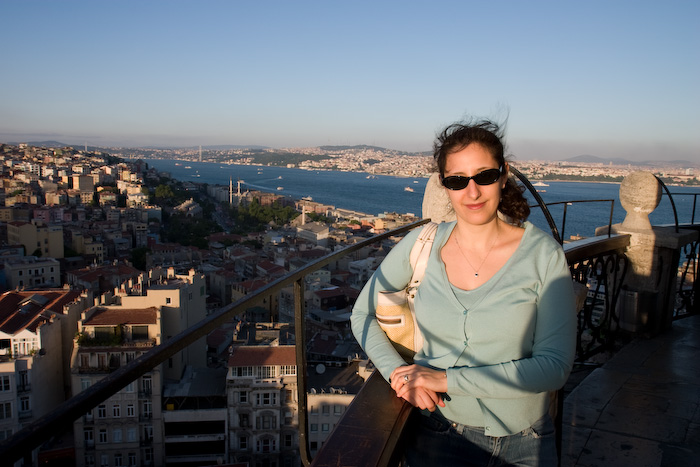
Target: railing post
<point>654,256</point>
<point>300,347</point>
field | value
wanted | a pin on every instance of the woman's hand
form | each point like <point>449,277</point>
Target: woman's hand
<point>424,399</point>
<point>408,377</point>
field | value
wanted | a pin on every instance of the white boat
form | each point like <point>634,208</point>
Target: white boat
<point>540,183</point>
<point>280,188</point>
<point>408,188</point>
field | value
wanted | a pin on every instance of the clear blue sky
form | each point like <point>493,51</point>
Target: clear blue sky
<point>602,77</point>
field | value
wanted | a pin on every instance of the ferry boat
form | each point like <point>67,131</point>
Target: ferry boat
<point>280,188</point>
<point>408,188</point>
<point>540,183</point>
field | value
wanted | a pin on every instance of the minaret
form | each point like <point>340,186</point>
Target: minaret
<point>230,191</point>
<point>303,214</point>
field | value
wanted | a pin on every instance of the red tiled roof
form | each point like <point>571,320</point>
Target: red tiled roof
<point>262,355</point>
<point>15,318</point>
<point>116,316</point>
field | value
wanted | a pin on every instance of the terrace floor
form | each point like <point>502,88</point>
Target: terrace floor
<point>642,407</point>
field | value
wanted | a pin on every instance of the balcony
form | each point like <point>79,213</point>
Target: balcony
<point>652,379</point>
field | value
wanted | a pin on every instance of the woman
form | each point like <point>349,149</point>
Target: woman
<point>496,309</point>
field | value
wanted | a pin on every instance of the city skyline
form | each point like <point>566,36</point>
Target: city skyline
<point>611,80</point>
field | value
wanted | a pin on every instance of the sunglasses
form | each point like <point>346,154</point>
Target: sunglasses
<point>485,177</point>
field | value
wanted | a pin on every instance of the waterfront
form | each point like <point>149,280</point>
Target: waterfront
<point>376,194</point>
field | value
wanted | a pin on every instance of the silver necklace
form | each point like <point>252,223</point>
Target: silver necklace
<point>476,270</point>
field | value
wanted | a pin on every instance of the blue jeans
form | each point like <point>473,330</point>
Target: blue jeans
<point>435,441</point>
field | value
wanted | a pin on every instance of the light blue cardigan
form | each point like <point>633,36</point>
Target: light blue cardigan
<point>504,344</point>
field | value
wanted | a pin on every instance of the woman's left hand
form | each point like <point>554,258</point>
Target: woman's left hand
<point>407,377</point>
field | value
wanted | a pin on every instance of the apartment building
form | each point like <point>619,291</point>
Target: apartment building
<point>31,272</point>
<point>36,236</point>
<point>263,408</point>
<point>195,421</point>
<point>36,330</point>
<point>125,429</point>
<point>182,300</point>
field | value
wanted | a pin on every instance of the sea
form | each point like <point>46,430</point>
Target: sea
<point>587,205</point>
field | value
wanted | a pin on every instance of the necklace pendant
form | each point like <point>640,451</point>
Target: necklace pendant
<point>476,274</point>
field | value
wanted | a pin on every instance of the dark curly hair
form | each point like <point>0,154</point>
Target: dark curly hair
<point>488,135</point>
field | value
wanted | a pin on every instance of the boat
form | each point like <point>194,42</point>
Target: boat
<point>188,167</point>
<point>540,183</point>
<point>280,188</point>
<point>408,188</point>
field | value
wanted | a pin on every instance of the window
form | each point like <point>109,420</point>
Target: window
<point>117,435</point>
<point>146,384</point>
<point>266,398</point>
<point>84,384</point>
<point>130,412</point>
<point>104,460</point>
<point>5,410</point>
<point>102,436</point>
<point>326,409</point>
<point>167,300</point>
<point>243,420</point>
<point>337,409</point>
<point>243,371</point>
<point>266,422</point>
<point>314,427</point>
<point>84,361</point>
<point>5,383</point>
<point>243,397</point>
<point>130,387</point>
<point>288,395</point>
<point>243,443</point>
<point>118,460</point>
<point>24,404</point>
<point>88,436</point>
<point>267,371</point>
<point>314,409</point>
<point>324,427</point>
<point>288,370</point>
<point>147,409</point>
<point>116,410</point>
<point>266,445</point>
<point>132,459</point>
<point>131,434</point>
<point>4,434</point>
<point>101,411</point>
<point>89,460</point>
<point>288,441</point>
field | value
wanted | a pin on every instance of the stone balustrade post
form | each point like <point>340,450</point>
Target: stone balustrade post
<point>649,290</point>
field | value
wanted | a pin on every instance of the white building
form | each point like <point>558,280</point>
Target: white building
<point>263,407</point>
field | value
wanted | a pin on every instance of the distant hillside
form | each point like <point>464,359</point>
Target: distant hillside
<point>619,161</point>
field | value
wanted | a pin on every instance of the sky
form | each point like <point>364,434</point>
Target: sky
<point>600,77</point>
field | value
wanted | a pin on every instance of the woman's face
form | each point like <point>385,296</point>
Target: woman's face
<point>475,204</point>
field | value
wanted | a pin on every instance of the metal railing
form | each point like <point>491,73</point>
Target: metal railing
<point>61,418</point>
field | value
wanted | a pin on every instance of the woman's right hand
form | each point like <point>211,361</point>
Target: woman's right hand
<point>423,398</point>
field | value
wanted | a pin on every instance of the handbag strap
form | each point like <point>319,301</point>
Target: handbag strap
<point>421,252</point>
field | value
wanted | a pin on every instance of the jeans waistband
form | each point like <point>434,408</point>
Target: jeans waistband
<point>458,427</point>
